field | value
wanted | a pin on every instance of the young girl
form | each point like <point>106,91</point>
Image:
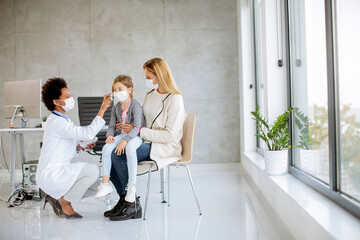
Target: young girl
<point>125,110</point>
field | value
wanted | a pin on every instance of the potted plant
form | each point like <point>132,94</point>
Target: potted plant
<point>276,138</point>
<point>43,123</point>
<point>311,134</point>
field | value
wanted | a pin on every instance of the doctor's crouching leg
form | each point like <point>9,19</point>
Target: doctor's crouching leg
<point>87,177</point>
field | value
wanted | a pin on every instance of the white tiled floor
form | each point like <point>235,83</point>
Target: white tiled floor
<point>232,209</point>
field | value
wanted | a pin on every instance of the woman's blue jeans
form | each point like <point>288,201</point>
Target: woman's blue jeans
<point>119,168</point>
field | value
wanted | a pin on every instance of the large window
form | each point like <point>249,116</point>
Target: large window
<point>323,45</point>
<point>309,87</point>
<point>348,72</point>
<point>324,66</point>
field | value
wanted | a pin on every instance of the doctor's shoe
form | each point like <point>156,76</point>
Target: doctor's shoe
<point>104,189</point>
<point>75,215</point>
<point>117,207</point>
<point>50,200</point>
<point>130,194</point>
<point>129,210</point>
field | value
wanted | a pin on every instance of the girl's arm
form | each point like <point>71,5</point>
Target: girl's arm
<point>111,130</point>
<point>137,113</point>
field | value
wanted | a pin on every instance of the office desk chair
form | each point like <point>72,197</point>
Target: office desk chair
<point>187,143</point>
<point>88,109</point>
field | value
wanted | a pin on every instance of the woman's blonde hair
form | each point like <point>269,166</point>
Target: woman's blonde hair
<point>126,81</point>
<point>161,70</point>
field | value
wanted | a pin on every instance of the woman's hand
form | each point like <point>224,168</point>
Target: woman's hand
<point>110,139</point>
<point>127,128</point>
<point>105,104</point>
<point>118,125</point>
<point>120,148</point>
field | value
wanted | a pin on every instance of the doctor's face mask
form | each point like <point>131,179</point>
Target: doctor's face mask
<point>69,104</point>
<point>69,101</point>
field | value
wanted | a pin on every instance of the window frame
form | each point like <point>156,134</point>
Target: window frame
<point>333,190</point>
<point>256,74</point>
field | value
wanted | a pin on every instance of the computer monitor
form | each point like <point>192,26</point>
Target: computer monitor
<point>24,95</point>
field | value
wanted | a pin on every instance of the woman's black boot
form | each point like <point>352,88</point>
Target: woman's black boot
<point>117,207</point>
<point>130,210</point>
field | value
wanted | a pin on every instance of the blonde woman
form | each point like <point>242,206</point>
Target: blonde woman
<point>164,112</point>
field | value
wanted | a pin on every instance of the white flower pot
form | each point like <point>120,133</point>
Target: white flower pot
<point>309,161</point>
<point>43,124</point>
<point>276,162</point>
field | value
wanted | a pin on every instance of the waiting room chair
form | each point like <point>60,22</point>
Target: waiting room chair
<point>187,142</point>
<point>88,109</point>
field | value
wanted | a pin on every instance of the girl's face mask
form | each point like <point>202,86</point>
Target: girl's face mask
<point>120,96</point>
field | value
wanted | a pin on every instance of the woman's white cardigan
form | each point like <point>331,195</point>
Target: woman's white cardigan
<point>166,132</point>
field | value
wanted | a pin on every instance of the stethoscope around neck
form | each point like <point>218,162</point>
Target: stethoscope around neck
<point>162,109</point>
<point>58,115</point>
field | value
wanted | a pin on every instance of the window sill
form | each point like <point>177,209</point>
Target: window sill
<point>306,213</point>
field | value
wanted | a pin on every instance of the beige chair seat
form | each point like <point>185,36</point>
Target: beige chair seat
<point>146,162</point>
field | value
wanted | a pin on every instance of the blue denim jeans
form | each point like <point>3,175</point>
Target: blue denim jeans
<point>119,168</point>
<point>130,151</point>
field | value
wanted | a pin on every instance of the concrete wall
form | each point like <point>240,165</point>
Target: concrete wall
<point>89,42</point>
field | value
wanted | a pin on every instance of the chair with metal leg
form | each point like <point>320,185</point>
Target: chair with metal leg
<point>187,151</point>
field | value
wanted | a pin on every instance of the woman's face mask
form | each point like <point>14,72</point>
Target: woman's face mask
<point>69,104</point>
<point>149,84</point>
<point>120,96</point>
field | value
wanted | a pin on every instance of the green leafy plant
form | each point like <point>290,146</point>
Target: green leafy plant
<point>44,118</point>
<point>302,122</point>
<point>275,136</point>
<point>312,132</point>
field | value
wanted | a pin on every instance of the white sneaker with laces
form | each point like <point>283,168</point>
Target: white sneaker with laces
<point>130,194</point>
<point>104,189</point>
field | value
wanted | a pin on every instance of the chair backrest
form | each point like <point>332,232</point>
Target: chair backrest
<point>187,140</point>
<point>88,109</point>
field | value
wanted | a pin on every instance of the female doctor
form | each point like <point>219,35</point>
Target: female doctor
<point>65,182</point>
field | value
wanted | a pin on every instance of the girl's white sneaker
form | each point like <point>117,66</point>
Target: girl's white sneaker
<point>130,194</point>
<point>104,189</point>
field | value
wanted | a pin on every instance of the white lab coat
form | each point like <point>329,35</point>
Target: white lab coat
<point>55,173</point>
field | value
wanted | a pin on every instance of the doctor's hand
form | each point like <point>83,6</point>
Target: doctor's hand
<point>110,139</point>
<point>78,147</point>
<point>89,146</point>
<point>105,104</point>
<point>127,127</point>
<point>120,149</point>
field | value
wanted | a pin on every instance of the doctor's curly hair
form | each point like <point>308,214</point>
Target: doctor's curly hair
<point>52,90</point>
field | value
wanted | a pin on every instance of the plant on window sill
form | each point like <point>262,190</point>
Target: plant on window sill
<point>275,136</point>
